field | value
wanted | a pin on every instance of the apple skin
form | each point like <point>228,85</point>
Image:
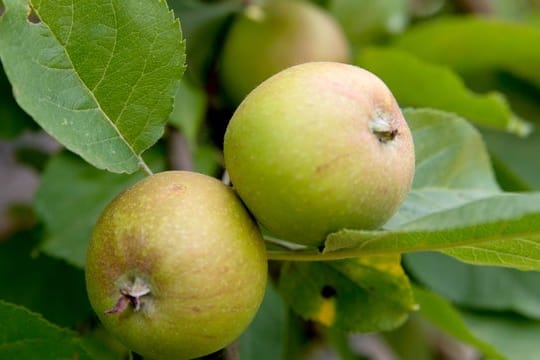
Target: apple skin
<point>284,33</point>
<point>189,239</point>
<point>320,147</point>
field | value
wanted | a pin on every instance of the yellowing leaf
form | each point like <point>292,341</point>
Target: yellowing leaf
<point>364,294</point>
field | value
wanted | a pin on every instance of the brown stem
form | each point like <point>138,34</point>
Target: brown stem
<point>180,154</point>
<point>474,6</point>
<point>121,305</point>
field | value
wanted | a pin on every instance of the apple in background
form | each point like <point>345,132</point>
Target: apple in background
<point>268,38</point>
<point>320,147</point>
<point>176,268</point>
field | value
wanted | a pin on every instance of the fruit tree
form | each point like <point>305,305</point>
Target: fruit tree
<point>269,179</point>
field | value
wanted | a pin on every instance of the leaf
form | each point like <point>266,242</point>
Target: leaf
<point>26,335</point>
<point>367,21</point>
<point>477,287</point>
<point>519,155</point>
<point>516,338</point>
<point>37,284</point>
<point>69,200</point>
<point>189,111</point>
<point>106,93</point>
<point>502,229</point>
<point>424,202</point>
<point>437,86</point>
<point>265,337</point>
<point>444,148</point>
<point>362,295</point>
<point>508,179</point>
<point>476,43</point>
<point>443,315</point>
<point>204,23</point>
<point>99,344</point>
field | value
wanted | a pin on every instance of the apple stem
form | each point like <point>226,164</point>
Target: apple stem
<point>130,294</point>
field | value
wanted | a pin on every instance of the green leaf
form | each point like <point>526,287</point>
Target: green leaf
<point>478,287</point>
<point>204,23</point>
<point>449,152</point>
<point>69,200</point>
<point>518,155</point>
<point>516,338</point>
<point>104,93</point>
<point>101,345</point>
<point>189,111</point>
<point>26,335</point>
<point>37,284</point>
<point>476,43</point>
<point>443,315</point>
<point>265,337</point>
<point>437,86</point>
<point>366,21</point>
<point>362,295</point>
<point>500,229</point>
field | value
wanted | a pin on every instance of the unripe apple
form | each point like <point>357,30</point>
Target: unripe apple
<point>269,38</point>
<point>317,148</point>
<point>176,268</point>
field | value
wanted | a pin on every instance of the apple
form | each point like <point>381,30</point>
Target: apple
<point>268,38</point>
<point>176,268</point>
<point>320,147</point>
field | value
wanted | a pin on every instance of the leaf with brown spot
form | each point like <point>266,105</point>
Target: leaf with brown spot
<point>362,295</point>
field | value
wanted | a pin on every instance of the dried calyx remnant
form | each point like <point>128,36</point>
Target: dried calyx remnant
<point>33,17</point>
<point>130,294</point>
<point>382,129</point>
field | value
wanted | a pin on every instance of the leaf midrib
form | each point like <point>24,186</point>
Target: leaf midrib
<point>91,94</point>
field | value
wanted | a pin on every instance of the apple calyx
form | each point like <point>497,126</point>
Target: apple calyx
<point>382,129</point>
<point>130,294</point>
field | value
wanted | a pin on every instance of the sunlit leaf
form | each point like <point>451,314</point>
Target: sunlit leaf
<point>500,229</point>
<point>444,144</point>
<point>105,93</point>
<point>473,43</point>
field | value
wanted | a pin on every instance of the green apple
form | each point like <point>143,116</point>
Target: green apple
<point>176,267</point>
<point>269,38</point>
<point>320,147</point>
